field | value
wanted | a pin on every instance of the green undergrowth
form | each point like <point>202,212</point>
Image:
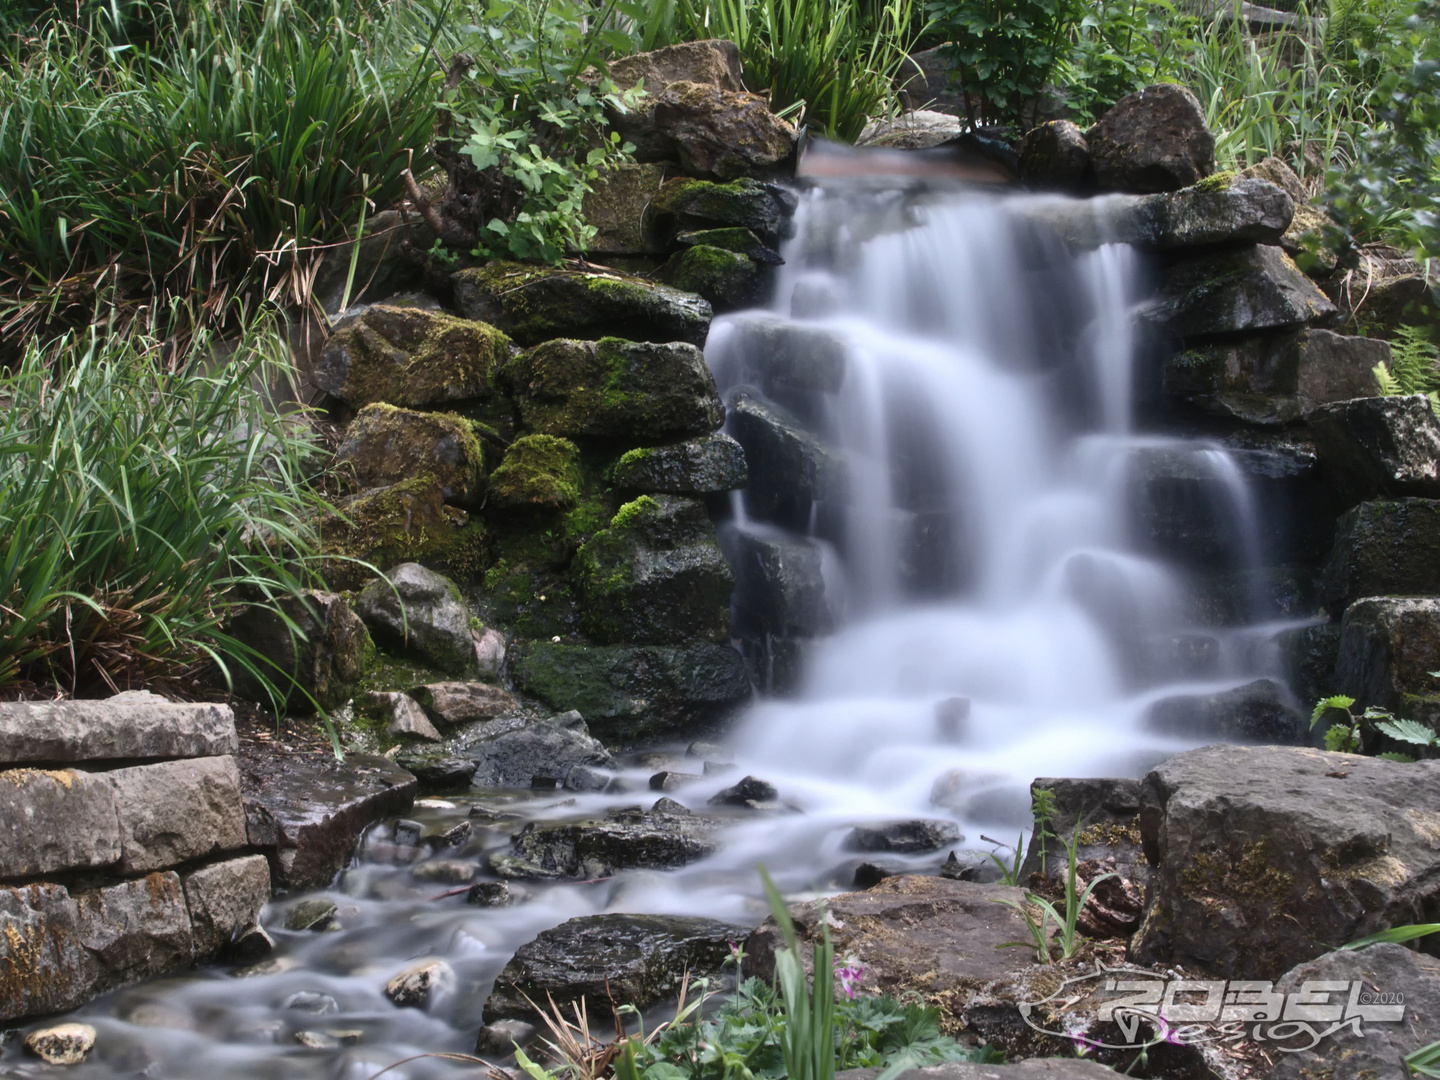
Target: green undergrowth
<point>140,507</point>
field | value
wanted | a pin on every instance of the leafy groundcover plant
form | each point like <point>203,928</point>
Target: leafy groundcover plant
<point>140,506</point>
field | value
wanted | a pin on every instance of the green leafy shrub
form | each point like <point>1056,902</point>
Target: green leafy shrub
<point>1120,46</point>
<point>1414,366</point>
<point>1348,736</point>
<point>139,507</point>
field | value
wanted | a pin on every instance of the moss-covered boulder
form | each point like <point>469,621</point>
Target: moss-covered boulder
<point>538,472</point>
<point>699,467</point>
<point>634,392</point>
<point>616,206</point>
<point>385,445</point>
<point>1386,548</point>
<point>725,278</point>
<point>656,575</point>
<point>628,693</point>
<point>687,205</point>
<point>537,303</point>
<point>739,240</point>
<point>406,522</point>
<point>410,357</point>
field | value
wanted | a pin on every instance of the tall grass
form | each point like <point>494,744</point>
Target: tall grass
<point>140,507</point>
<point>210,171</point>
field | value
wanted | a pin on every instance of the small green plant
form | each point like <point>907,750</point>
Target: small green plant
<point>1395,935</point>
<point>1042,809</point>
<point>1425,1061</point>
<point>1414,366</point>
<point>1074,903</point>
<point>1347,736</point>
<point>1010,872</point>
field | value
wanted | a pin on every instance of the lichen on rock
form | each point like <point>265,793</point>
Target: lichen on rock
<point>538,472</point>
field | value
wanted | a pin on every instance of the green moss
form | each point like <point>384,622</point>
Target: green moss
<point>387,673</point>
<point>538,472</point>
<point>630,513</point>
<point>1219,181</point>
<point>412,357</point>
<point>735,238</point>
<point>722,277</point>
<point>634,458</point>
<point>1215,876</point>
<point>406,522</point>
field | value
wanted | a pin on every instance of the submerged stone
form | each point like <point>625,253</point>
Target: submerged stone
<point>1257,712</point>
<point>790,469</point>
<point>410,357</point>
<point>537,303</point>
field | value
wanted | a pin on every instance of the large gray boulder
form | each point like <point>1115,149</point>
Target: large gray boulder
<point>421,613</point>
<point>1258,712</point>
<point>538,303</point>
<point>626,840</point>
<point>1234,291</point>
<point>635,692</point>
<point>655,575</point>
<point>638,393</point>
<point>1384,548</point>
<point>1388,647</point>
<point>410,357</point>
<point>134,726</point>
<point>723,134</point>
<point>1274,379</point>
<point>704,466</point>
<point>790,469</point>
<point>1387,1033</point>
<point>715,63</point>
<point>1265,857</point>
<point>1155,139</point>
<point>599,959</point>
<point>514,752</point>
<point>1380,445</point>
<point>384,445</point>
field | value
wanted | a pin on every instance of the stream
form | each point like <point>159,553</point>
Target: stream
<point>996,621</point>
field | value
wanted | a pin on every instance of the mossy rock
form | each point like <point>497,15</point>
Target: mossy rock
<point>538,303</point>
<point>630,694</point>
<point>725,278</point>
<point>656,575</point>
<point>631,392</point>
<point>702,466</point>
<point>687,205</point>
<point>538,472</point>
<point>385,445</point>
<point>530,600</point>
<point>406,522</point>
<point>739,240</point>
<point>410,357</point>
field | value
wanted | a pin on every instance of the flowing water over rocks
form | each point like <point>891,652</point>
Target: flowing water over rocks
<point>958,565</point>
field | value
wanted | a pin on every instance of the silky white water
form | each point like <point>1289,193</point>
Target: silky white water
<point>987,391</point>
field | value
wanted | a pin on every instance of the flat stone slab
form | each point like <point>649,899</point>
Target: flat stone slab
<point>176,811</point>
<point>56,820</point>
<point>309,816</point>
<point>129,727</point>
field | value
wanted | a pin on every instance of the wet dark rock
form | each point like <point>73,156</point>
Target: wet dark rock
<point>1274,379</point>
<point>407,833</point>
<point>1390,969</point>
<point>790,361</point>
<point>1257,712</point>
<point>655,575</point>
<point>1307,657</point>
<point>1055,157</point>
<point>727,279</point>
<point>445,871</point>
<point>1388,647</point>
<point>1244,211</point>
<point>517,753</point>
<point>535,304</point>
<point>636,392</point>
<point>1380,445</point>
<point>739,240</point>
<point>410,357</point>
<point>638,959</point>
<point>311,915</point>
<point>1264,857</point>
<point>1236,290</point>
<point>598,849</point>
<point>308,818</point>
<point>750,792</point>
<point>687,205</point>
<point>417,985</point>
<point>790,469</point>
<point>311,1001</point>
<point>628,693</point>
<point>489,894</point>
<point>722,134</point>
<point>456,834</point>
<point>503,1036</point>
<point>437,771</point>
<point>952,718</point>
<point>703,466</point>
<point>1106,813</point>
<point>1384,548</point>
<point>779,585</point>
<point>670,806</point>
<point>904,837</point>
<point>868,874</point>
<point>385,445</point>
<point>672,781</point>
<point>1155,139</point>
<point>969,866</point>
<point>420,613</point>
<point>325,659</point>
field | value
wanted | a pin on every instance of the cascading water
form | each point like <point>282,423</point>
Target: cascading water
<point>995,619</point>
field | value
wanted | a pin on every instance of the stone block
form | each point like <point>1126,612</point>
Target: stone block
<point>141,727</point>
<point>224,901</point>
<point>56,820</point>
<point>176,811</point>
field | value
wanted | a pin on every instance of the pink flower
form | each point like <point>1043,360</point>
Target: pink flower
<point>850,973</point>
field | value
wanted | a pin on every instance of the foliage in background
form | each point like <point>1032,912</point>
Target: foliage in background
<point>1120,46</point>
<point>1394,180</point>
<point>832,64</point>
<point>1414,366</point>
<point>524,133</point>
<point>1349,735</point>
<point>140,507</point>
<point>207,172</point>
